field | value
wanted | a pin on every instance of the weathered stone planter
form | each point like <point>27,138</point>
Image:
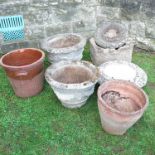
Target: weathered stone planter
<point>64,47</point>
<point>25,70</point>
<point>122,70</point>
<point>101,55</point>
<point>121,104</point>
<point>73,82</point>
<point>111,35</point>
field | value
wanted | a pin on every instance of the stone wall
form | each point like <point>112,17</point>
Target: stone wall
<point>48,17</point>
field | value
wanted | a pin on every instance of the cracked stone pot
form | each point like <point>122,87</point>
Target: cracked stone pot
<point>25,70</point>
<point>121,104</point>
<point>64,47</point>
<point>111,35</point>
<point>101,55</point>
<point>72,81</point>
<point>122,70</point>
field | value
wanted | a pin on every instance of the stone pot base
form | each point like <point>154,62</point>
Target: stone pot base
<point>73,104</point>
<point>101,55</point>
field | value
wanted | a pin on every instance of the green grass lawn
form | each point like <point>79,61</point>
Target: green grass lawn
<point>40,125</point>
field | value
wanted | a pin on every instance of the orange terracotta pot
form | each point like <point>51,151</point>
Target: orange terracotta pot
<point>25,70</point>
<point>121,111</point>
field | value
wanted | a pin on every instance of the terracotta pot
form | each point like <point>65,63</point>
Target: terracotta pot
<point>25,70</point>
<point>72,81</point>
<point>64,47</point>
<point>121,104</point>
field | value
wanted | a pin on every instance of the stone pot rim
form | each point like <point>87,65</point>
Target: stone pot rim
<point>81,85</point>
<point>22,66</point>
<point>140,73</point>
<point>69,49</point>
<point>129,42</point>
<point>103,103</point>
<point>122,39</point>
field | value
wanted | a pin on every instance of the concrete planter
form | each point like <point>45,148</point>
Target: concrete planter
<point>121,104</point>
<point>64,47</point>
<point>111,35</point>
<point>122,70</point>
<point>25,70</point>
<point>72,82</point>
<point>101,55</point>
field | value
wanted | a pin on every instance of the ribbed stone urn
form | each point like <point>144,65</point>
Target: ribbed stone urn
<point>72,81</point>
<point>64,47</point>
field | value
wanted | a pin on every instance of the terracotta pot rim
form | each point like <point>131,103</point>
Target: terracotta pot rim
<point>69,49</point>
<point>81,85</point>
<point>11,66</point>
<point>102,102</point>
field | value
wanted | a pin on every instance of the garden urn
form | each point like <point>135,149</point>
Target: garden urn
<point>72,81</point>
<point>68,46</point>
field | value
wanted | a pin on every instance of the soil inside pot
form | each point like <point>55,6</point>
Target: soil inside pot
<point>65,42</point>
<point>73,75</point>
<point>120,103</point>
<point>111,33</point>
<point>22,57</point>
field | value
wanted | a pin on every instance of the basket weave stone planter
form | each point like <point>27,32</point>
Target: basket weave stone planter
<point>101,55</point>
<point>72,82</point>
<point>121,104</point>
<point>63,47</point>
<point>122,70</point>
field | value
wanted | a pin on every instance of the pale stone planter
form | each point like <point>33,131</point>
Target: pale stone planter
<point>101,55</point>
<point>121,104</point>
<point>122,70</point>
<point>67,46</point>
<point>72,82</point>
<point>111,34</point>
